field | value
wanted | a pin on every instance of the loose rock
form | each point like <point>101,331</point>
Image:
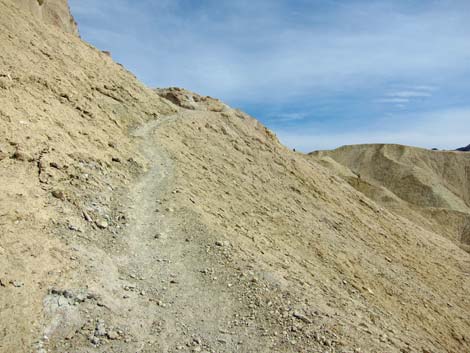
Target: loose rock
<point>59,194</point>
<point>101,223</point>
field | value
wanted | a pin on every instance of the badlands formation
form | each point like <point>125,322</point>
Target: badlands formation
<point>141,220</point>
<point>430,188</point>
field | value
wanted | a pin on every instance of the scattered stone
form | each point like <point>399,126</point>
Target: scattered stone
<point>112,335</point>
<point>56,291</point>
<point>100,328</point>
<point>22,156</point>
<point>3,155</point>
<point>4,84</point>
<point>17,284</point>
<point>92,296</point>
<point>62,301</point>
<point>94,340</point>
<point>87,217</point>
<point>101,223</point>
<point>80,297</point>
<point>130,287</point>
<point>55,165</point>
<point>301,317</point>
<point>74,228</point>
<point>59,194</point>
<point>222,243</point>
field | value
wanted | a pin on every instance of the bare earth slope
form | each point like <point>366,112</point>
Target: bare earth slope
<point>53,12</point>
<point>306,234</point>
<point>135,220</point>
<point>64,152</point>
<point>431,188</point>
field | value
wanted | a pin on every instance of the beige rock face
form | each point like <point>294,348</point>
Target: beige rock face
<point>135,220</point>
<point>54,12</point>
<point>431,188</point>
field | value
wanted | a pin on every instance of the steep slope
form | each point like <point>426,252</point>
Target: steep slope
<point>431,188</point>
<point>54,12</point>
<point>134,220</point>
<point>303,233</point>
<point>464,149</point>
<point>64,152</point>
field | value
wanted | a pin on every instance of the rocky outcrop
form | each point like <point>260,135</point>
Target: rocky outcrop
<point>190,100</point>
<point>54,12</point>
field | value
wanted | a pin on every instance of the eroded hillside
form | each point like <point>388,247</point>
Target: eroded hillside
<point>311,237</point>
<point>64,151</point>
<point>52,12</point>
<point>431,188</point>
<point>163,221</point>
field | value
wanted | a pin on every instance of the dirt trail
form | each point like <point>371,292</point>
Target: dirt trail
<point>173,307</point>
<point>254,248</point>
<point>159,284</point>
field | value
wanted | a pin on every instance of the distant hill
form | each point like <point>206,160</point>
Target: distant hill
<point>464,149</point>
<point>431,188</point>
<point>141,220</point>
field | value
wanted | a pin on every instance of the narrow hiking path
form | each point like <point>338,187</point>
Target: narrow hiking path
<point>178,307</point>
<point>161,285</point>
<point>183,311</point>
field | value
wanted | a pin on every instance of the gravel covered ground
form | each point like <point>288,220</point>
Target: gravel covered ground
<point>135,220</point>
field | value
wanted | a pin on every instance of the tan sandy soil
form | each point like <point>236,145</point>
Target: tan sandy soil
<point>135,220</point>
<point>430,188</point>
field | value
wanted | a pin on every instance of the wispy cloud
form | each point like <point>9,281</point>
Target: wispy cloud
<point>258,49</point>
<point>446,129</point>
<point>343,59</point>
<point>394,100</point>
<point>409,94</point>
<point>425,88</point>
<point>401,98</point>
<point>287,117</point>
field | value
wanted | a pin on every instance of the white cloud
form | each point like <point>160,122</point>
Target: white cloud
<point>425,88</point>
<point>269,53</point>
<point>393,100</point>
<point>409,94</point>
<point>402,98</point>
<point>252,51</point>
<point>287,117</point>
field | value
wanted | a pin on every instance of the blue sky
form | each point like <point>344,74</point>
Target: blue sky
<point>320,73</point>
